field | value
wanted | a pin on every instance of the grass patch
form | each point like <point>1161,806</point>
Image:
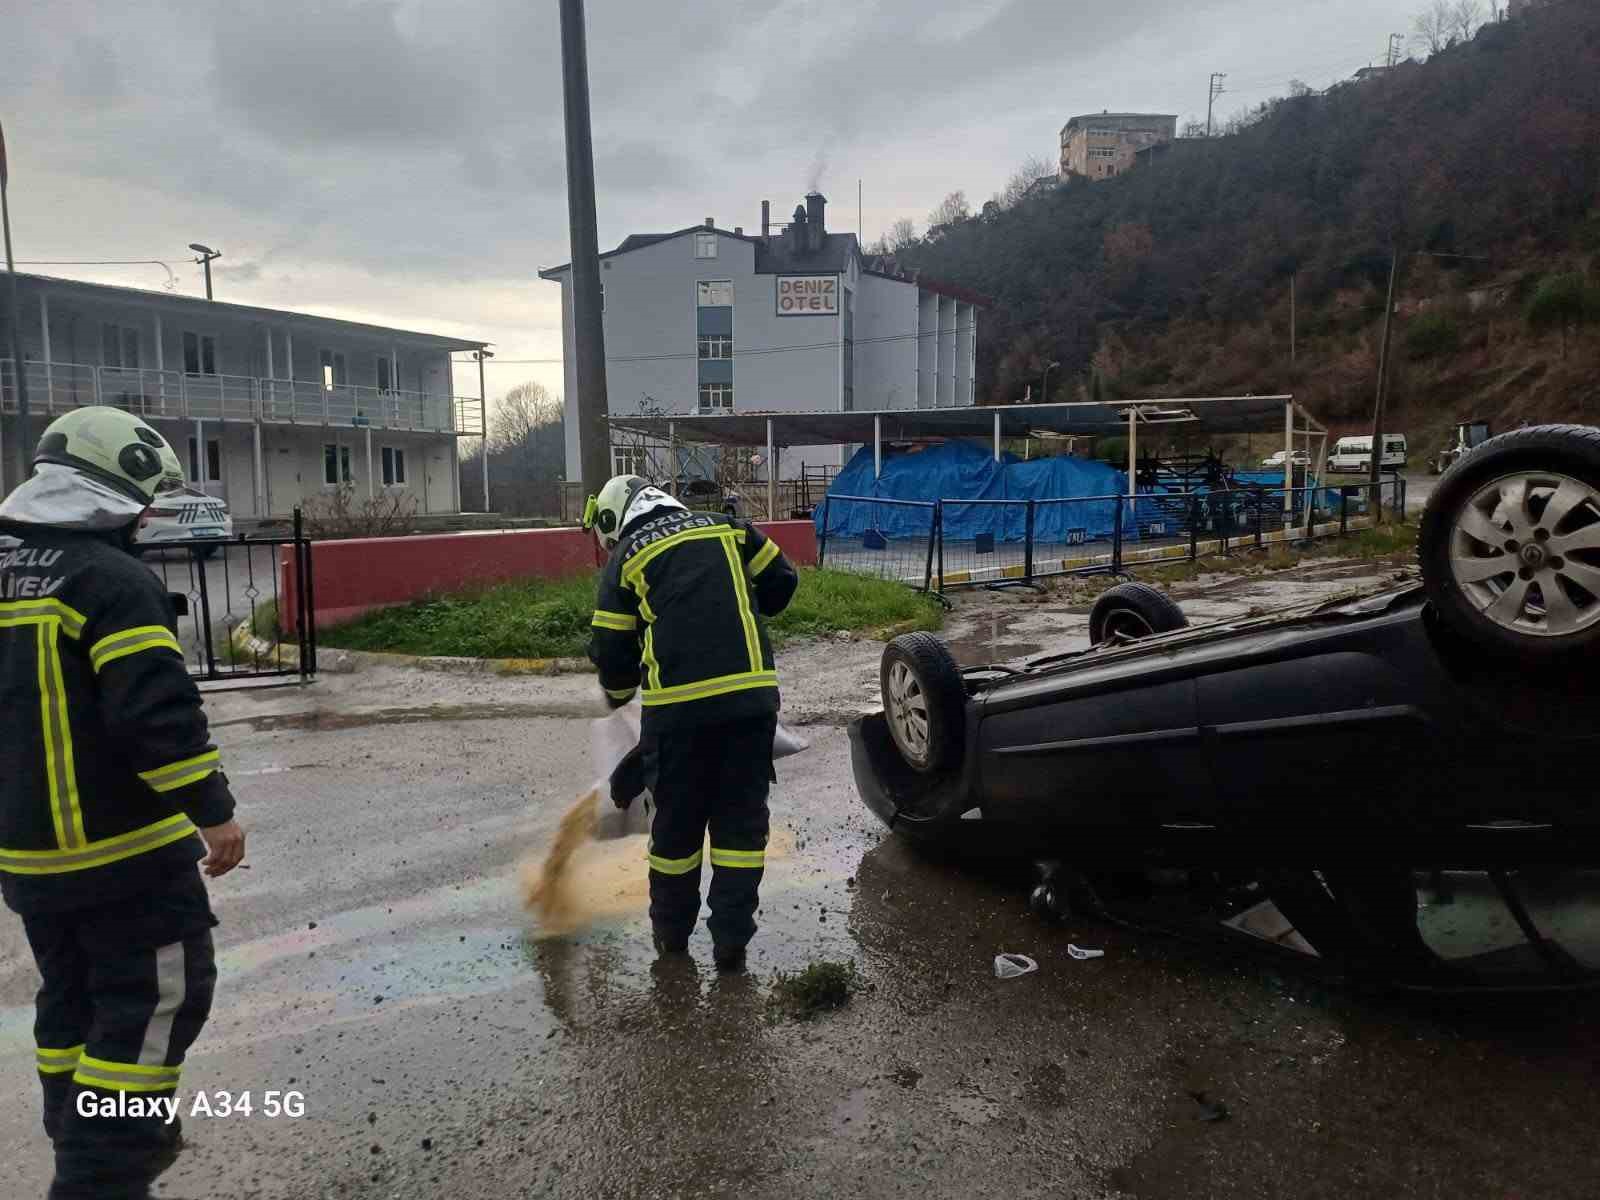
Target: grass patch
<point>550,618</point>
<point>1386,541</point>
<point>820,987</point>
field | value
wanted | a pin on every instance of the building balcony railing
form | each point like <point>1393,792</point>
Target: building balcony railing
<point>58,387</point>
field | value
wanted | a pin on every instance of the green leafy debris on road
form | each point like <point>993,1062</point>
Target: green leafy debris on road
<point>820,987</point>
<point>550,618</point>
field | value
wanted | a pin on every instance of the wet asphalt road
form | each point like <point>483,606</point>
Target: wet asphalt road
<point>374,958</point>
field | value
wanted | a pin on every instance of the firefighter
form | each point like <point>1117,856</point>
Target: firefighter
<point>679,616</point>
<point>106,775</point>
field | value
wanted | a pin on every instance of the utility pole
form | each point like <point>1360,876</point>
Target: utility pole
<point>1292,279</point>
<point>1046,388</point>
<point>1374,466</point>
<point>1396,41</point>
<point>588,327</point>
<point>1215,89</point>
<point>483,415</point>
<point>15,318</point>
<point>206,254</point>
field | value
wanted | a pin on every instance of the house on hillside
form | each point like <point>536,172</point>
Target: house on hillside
<point>265,406</point>
<point>1101,145</point>
<point>707,320</point>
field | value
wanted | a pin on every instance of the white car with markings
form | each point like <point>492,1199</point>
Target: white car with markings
<point>184,514</point>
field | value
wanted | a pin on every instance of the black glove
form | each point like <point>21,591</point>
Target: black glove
<point>632,776</point>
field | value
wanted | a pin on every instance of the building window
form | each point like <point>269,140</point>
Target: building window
<point>705,245</point>
<point>385,375</point>
<point>334,372</point>
<point>119,346</point>
<point>716,397</point>
<point>213,461</point>
<point>716,346</point>
<point>628,460</point>
<point>394,466</point>
<point>199,354</point>
<point>714,293</point>
<point>336,465</point>
<point>1103,152</point>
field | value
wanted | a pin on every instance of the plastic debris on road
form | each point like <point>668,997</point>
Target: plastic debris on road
<point>1081,955</point>
<point>1013,966</point>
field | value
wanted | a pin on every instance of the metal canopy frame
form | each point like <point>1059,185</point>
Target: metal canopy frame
<point>777,431</point>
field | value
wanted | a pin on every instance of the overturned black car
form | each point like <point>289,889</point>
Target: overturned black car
<point>1399,784</point>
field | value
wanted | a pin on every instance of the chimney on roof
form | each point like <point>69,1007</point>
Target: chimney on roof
<point>766,219</point>
<point>738,231</point>
<point>711,223</point>
<point>816,203</point>
<point>796,234</point>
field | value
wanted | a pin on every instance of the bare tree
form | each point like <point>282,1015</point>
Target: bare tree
<point>901,234</point>
<point>520,415</point>
<point>1032,172</point>
<point>1465,17</point>
<point>1497,11</point>
<point>1193,128</point>
<point>951,209</point>
<point>1434,25</point>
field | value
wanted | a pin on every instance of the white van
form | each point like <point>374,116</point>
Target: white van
<point>1355,453</point>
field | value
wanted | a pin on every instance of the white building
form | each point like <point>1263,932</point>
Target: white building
<point>266,407</point>
<point>705,320</point>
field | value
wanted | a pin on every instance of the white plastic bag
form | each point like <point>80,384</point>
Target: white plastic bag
<point>1013,966</point>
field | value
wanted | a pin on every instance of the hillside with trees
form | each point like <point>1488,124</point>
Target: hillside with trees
<point>1479,166</point>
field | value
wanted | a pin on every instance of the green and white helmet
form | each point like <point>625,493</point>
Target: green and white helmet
<point>625,498</point>
<point>114,447</point>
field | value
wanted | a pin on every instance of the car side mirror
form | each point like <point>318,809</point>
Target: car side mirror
<point>180,603</point>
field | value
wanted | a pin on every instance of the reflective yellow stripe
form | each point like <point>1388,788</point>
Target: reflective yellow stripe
<point>621,622</point>
<point>27,612</point>
<point>180,774</point>
<point>97,854</point>
<point>763,558</point>
<point>60,777</point>
<point>132,641</point>
<point>707,688</point>
<point>636,565</point>
<point>125,1077</point>
<point>621,693</point>
<point>57,1062</point>
<point>738,858</point>
<point>674,866</point>
<point>741,597</point>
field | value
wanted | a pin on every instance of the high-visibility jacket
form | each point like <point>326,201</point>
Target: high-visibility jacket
<point>679,615</point>
<point>106,765</point>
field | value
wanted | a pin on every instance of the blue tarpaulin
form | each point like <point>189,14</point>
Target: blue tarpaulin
<point>959,471</point>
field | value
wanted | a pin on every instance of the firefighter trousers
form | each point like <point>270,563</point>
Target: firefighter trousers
<point>716,777</point>
<point>126,988</point>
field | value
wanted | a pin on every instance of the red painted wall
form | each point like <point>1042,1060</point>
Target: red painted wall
<point>356,576</point>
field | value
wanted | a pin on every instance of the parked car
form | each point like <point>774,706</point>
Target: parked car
<point>1312,759</point>
<point>1354,454</point>
<point>184,514</point>
<point>1301,459</point>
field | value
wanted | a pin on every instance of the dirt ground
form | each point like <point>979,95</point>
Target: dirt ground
<point>374,958</point>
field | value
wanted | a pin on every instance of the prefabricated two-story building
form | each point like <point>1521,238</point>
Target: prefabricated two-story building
<point>796,319</point>
<point>266,407</point>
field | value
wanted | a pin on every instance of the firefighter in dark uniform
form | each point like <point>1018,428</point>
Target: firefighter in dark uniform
<point>106,775</point>
<point>679,617</point>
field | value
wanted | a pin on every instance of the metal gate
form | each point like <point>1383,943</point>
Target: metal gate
<point>245,612</point>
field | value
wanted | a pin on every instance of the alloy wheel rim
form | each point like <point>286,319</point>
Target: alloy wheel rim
<point>908,712</point>
<point>1525,552</point>
<point>1124,622</point>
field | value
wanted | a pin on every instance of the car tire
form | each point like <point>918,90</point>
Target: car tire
<point>1133,610</point>
<point>1527,502</point>
<point>924,702</point>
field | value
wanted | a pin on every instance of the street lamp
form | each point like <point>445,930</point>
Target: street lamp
<point>483,416</point>
<point>206,254</point>
<point>1046,387</point>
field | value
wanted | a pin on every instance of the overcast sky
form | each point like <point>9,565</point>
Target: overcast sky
<point>402,163</point>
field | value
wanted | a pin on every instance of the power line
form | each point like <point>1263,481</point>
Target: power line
<point>738,354</point>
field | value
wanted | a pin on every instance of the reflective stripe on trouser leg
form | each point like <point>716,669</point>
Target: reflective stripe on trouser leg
<point>150,1003</point>
<point>62,1012</point>
<point>739,826</point>
<point>684,774</point>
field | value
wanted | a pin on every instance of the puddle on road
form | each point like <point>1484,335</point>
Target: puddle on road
<point>320,720</point>
<point>986,638</point>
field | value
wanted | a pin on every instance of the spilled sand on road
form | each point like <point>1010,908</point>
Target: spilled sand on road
<point>579,881</point>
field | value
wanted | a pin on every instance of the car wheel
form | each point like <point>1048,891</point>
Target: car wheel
<point>924,702</point>
<point>1131,611</point>
<point>1510,542</point>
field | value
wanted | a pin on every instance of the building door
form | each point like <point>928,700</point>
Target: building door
<point>205,466</point>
